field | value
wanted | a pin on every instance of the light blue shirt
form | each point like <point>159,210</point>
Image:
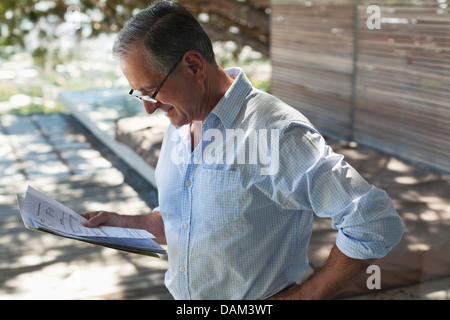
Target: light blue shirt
<point>238,210</point>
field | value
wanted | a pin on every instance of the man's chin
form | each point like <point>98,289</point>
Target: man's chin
<point>176,122</point>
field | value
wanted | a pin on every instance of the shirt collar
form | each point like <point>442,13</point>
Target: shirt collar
<point>229,106</point>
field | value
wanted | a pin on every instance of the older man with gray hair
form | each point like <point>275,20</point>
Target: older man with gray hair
<point>234,231</point>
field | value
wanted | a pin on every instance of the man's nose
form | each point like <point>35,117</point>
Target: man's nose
<point>150,107</point>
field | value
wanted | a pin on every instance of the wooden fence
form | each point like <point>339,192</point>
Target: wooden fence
<point>385,86</point>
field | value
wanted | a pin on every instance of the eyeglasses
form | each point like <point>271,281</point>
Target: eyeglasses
<point>152,98</point>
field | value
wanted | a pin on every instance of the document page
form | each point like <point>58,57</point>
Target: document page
<point>42,213</point>
<point>49,213</point>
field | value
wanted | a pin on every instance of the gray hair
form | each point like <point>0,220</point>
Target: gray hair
<point>167,31</point>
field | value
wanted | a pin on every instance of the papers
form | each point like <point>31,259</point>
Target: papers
<point>42,213</point>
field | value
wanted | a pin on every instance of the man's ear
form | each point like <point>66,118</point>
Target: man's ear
<point>196,64</point>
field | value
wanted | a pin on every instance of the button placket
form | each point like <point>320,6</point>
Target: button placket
<point>186,212</point>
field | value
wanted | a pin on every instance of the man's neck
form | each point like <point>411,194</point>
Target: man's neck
<point>216,85</point>
<point>196,134</point>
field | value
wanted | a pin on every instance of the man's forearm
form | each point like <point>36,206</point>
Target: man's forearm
<point>338,272</point>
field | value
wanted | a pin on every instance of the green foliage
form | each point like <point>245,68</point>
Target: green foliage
<point>21,16</point>
<point>263,85</point>
<point>7,91</point>
<point>249,18</point>
<point>244,22</point>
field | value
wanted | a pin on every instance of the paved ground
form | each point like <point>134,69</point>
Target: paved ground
<point>57,156</point>
<point>52,153</point>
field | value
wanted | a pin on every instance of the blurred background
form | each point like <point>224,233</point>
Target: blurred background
<point>373,77</point>
<point>49,46</point>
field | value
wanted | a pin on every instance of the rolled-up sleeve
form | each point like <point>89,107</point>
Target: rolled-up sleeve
<point>367,223</point>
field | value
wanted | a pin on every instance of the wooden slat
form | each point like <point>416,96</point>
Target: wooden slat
<point>312,48</point>
<point>403,81</point>
<point>398,97</point>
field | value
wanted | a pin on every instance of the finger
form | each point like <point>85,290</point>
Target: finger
<point>94,219</point>
<point>88,215</point>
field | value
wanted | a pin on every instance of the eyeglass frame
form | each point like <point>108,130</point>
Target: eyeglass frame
<point>152,98</point>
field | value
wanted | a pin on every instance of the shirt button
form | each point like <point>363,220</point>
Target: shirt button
<point>182,269</point>
<point>185,226</point>
<point>188,183</point>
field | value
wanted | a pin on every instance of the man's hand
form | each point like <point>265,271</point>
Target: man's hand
<point>103,218</point>
<point>338,272</point>
<point>152,222</point>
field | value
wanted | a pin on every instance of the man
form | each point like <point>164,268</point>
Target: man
<point>240,176</point>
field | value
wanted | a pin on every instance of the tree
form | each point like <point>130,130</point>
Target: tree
<point>244,21</point>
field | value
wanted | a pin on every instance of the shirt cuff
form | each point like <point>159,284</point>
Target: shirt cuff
<point>374,246</point>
